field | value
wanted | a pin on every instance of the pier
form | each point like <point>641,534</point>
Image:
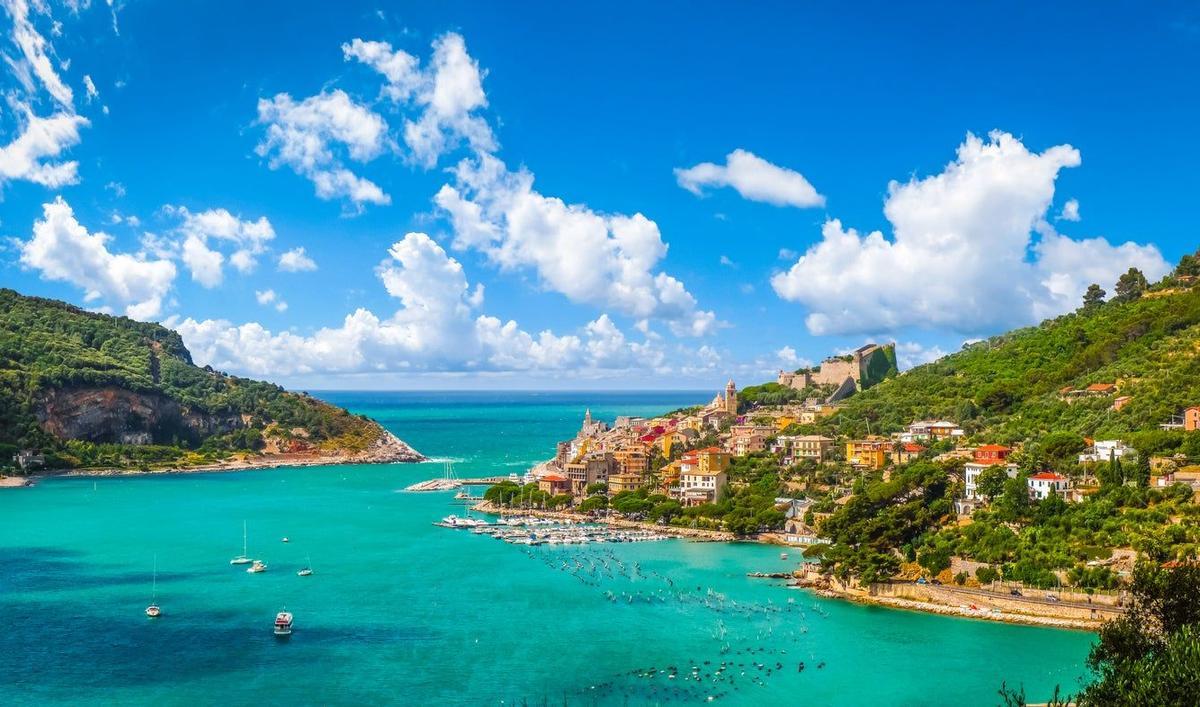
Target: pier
<point>450,484</point>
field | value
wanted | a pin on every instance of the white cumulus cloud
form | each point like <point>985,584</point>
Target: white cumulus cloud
<point>962,255</point>
<point>447,95</point>
<point>601,259</point>
<point>204,232</point>
<point>296,260</point>
<point>31,154</point>
<point>62,250</point>
<point>311,135</point>
<point>436,328</point>
<point>754,178</point>
<point>1070,211</point>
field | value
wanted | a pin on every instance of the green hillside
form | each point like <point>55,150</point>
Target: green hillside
<point>1010,386</point>
<point>80,387</point>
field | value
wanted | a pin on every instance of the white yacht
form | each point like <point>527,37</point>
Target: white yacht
<point>242,559</point>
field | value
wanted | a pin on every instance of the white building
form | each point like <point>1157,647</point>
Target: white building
<point>1103,450</point>
<point>930,430</point>
<point>1042,484</point>
<point>697,486</point>
<point>971,472</point>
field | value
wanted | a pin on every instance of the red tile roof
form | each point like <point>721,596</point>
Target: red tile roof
<point>1048,476</point>
<point>553,477</point>
<point>993,448</point>
<point>913,448</point>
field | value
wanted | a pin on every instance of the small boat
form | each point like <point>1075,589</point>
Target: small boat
<point>783,555</point>
<point>283,624</point>
<point>242,559</point>
<point>256,567</point>
<point>153,611</point>
<point>306,570</point>
<point>284,539</point>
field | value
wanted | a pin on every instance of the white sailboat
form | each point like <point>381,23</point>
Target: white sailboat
<point>242,559</point>
<point>306,571</point>
<point>153,611</point>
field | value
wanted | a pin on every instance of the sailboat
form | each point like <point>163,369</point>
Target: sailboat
<point>306,571</point>
<point>242,559</point>
<point>153,611</point>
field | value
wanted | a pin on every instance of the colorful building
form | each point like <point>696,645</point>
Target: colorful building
<point>869,453</point>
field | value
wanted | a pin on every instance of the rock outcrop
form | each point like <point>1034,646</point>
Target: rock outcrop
<point>121,416</point>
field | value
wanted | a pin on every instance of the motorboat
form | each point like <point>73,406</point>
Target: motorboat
<point>256,567</point>
<point>283,624</point>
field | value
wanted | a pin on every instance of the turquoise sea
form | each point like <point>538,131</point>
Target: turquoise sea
<point>401,611</point>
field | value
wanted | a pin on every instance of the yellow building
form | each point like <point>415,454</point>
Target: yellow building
<point>782,423</point>
<point>712,460</point>
<point>869,453</point>
<point>624,482</point>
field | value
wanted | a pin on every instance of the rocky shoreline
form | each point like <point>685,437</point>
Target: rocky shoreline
<point>823,586</point>
<point>388,449</point>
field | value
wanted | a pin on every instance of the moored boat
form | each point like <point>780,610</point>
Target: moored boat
<point>153,611</point>
<point>256,567</point>
<point>283,624</point>
<point>242,559</point>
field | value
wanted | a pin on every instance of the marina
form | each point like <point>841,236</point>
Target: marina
<point>539,531</point>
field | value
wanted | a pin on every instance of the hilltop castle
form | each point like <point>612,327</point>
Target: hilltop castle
<point>862,368</point>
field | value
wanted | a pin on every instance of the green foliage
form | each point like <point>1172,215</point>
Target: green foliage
<point>991,481</point>
<point>593,503</point>
<point>1151,654</point>
<point>867,531</point>
<point>46,345</point>
<point>1007,388</point>
<point>1131,285</point>
<point>987,575</point>
<point>1094,297</point>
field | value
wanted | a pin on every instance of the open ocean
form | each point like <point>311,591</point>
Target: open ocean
<point>401,611</point>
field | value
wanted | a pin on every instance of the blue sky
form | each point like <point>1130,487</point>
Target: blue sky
<point>612,195</point>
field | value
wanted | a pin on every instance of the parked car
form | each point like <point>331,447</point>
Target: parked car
<point>1015,592</point>
<point>1051,597</point>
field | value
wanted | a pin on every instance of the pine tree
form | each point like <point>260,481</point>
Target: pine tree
<point>1094,297</point>
<point>1131,285</point>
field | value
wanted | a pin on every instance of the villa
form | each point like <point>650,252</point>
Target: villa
<point>1104,450</point>
<point>988,455</point>
<point>930,431</point>
<point>1045,483</point>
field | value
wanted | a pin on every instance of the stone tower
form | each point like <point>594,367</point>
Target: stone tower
<point>731,404</point>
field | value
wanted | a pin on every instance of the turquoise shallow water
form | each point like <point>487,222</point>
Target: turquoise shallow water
<point>400,611</point>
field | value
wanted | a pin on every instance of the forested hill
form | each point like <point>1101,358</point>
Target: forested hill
<point>90,390</point>
<point>1029,382</point>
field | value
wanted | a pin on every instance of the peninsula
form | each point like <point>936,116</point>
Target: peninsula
<point>89,393</point>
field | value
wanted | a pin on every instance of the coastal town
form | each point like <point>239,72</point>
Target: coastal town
<point>745,466</point>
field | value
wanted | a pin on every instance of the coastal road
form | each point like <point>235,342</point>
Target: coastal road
<point>1026,598</point>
